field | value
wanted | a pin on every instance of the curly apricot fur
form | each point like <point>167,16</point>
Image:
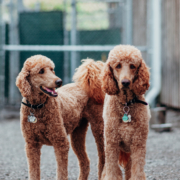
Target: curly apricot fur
<point>88,77</point>
<point>125,142</point>
<point>69,113</point>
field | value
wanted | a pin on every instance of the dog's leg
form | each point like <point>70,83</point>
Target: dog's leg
<point>78,145</point>
<point>61,153</point>
<point>58,137</point>
<point>128,170</point>
<point>103,173</point>
<point>138,162</point>
<point>33,152</point>
<point>98,132</point>
<point>138,153</point>
<point>61,149</point>
<point>113,171</point>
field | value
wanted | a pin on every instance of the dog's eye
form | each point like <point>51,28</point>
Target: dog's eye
<point>118,66</point>
<point>53,70</point>
<point>41,71</point>
<point>132,66</point>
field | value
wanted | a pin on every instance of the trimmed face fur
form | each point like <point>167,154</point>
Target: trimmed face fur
<point>38,75</point>
<point>125,70</point>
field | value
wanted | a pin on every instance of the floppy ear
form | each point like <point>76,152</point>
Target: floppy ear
<point>23,84</point>
<point>109,83</point>
<point>141,81</point>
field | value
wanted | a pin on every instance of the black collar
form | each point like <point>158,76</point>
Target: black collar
<point>136,100</point>
<point>39,106</point>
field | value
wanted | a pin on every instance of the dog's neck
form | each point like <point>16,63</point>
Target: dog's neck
<point>125,96</point>
<point>37,97</point>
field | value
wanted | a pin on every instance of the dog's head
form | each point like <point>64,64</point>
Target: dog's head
<point>125,69</point>
<point>38,74</point>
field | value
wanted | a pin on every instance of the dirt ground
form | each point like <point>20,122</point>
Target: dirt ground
<point>162,159</point>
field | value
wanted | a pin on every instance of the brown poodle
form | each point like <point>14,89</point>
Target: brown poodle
<point>125,79</point>
<point>48,116</point>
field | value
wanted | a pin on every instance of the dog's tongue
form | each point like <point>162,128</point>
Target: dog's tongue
<point>50,90</point>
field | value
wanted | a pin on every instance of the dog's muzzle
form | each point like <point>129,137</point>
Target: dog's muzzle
<point>125,82</point>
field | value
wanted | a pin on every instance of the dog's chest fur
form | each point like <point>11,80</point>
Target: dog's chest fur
<point>139,122</point>
<point>124,132</point>
<point>45,117</point>
<point>63,112</point>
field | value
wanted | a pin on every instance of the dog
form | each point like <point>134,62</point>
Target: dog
<point>48,116</point>
<point>125,79</point>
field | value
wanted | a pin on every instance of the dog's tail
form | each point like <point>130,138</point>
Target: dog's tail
<point>124,158</point>
<point>88,77</point>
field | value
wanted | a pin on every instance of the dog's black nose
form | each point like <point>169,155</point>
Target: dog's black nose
<point>59,82</point>
<point>125,82</point>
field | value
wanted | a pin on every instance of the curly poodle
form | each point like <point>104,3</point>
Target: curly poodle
<point>125,79</point>
<point>48,116</point>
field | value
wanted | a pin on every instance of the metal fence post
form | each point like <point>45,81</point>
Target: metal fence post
<point>66,42</point>
<point>156,52</point>
<point>14,96</point>
<point>2,63</point>
<point>149,33</point>
<point>128,22</point>
<point>73,36</point>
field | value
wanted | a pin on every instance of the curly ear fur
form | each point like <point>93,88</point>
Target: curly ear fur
<point>141,82</point>
<point>109,84</point>
<point>23,84</point>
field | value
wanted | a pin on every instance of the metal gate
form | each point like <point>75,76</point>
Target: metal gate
<point>121,15</point>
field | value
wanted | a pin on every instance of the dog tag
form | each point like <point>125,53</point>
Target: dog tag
<point>125,118</point>
<point>32,118</point>
<point>129,117</point>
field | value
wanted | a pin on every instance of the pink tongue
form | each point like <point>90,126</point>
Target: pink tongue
<point>50,90</point>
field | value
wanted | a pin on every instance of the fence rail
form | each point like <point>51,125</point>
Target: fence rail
<point>96,28</point>
<point>62,48</point>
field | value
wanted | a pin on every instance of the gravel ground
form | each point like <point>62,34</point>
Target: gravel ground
<point>162,159</point>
